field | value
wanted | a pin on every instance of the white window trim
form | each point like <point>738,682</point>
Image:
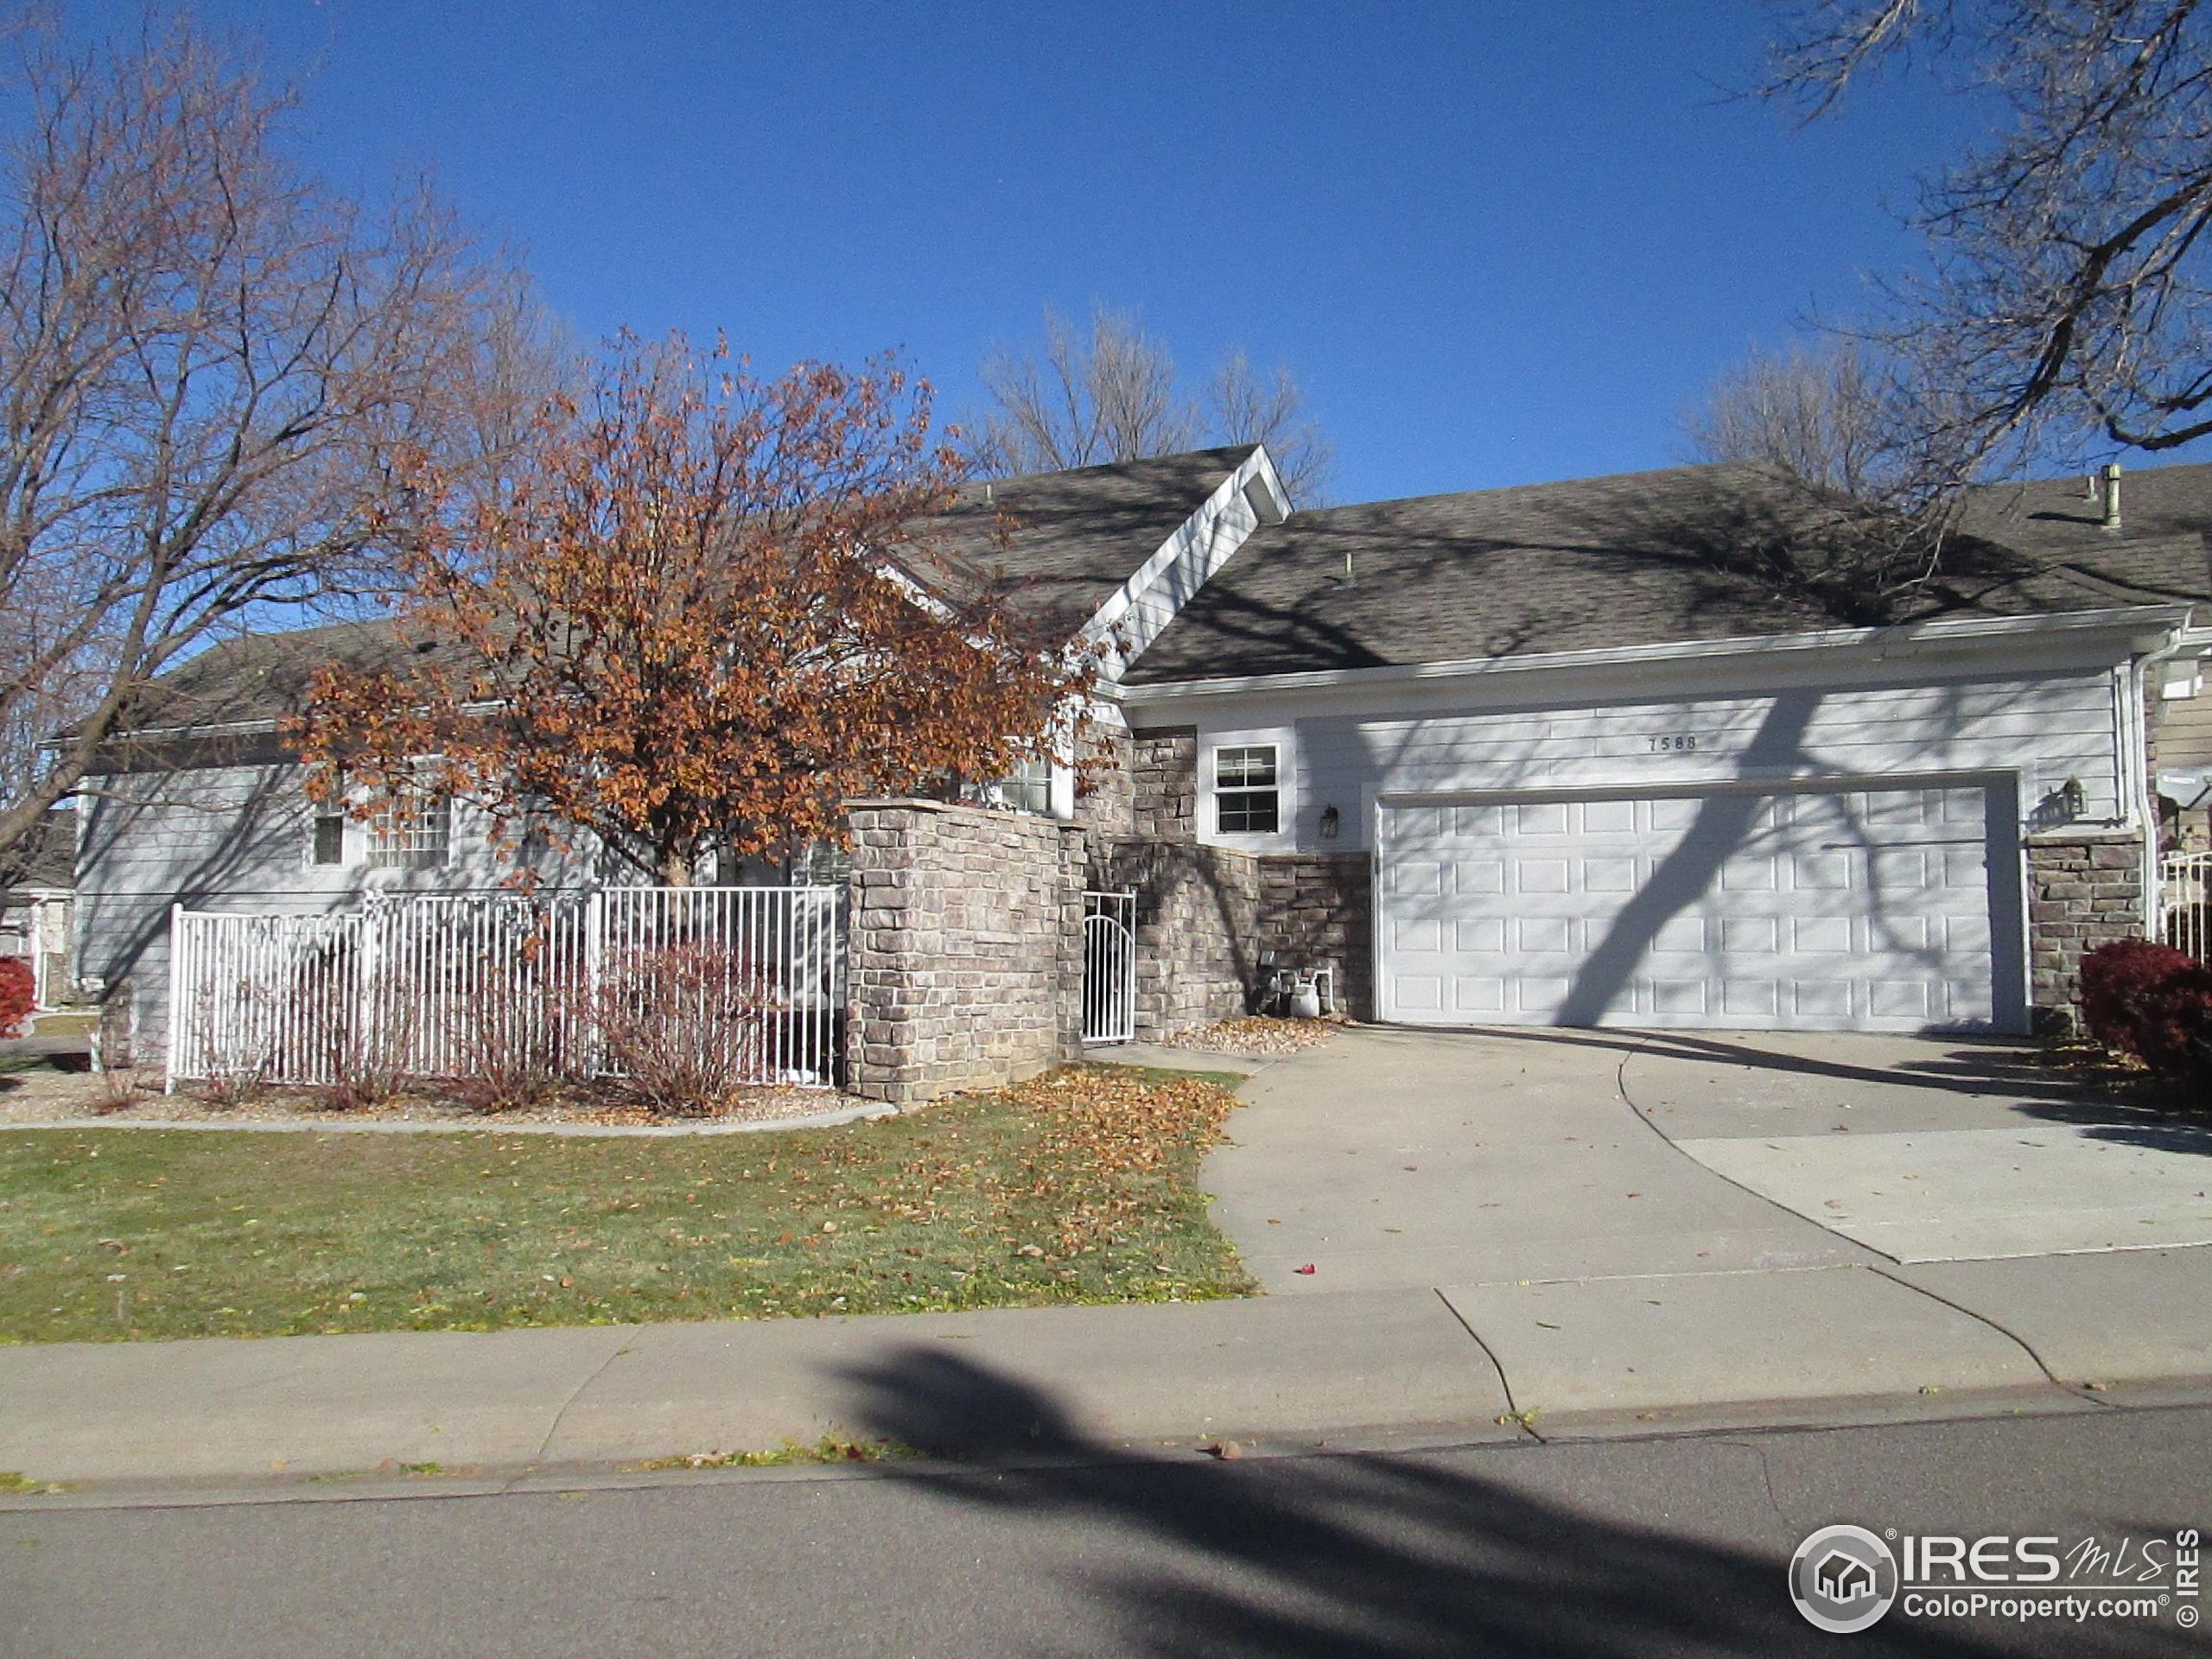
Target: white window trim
<point>349,838</point>
<point>1284,837</point>
<point>384,821</point>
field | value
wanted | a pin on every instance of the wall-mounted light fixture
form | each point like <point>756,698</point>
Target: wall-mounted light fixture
<point>1331,821</point>
<point>2072,798</point>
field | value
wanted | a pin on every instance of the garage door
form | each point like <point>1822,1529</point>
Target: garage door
<point>1862,911</point>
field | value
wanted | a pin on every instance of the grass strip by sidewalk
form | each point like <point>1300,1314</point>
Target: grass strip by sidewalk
<point>1078,1187</point>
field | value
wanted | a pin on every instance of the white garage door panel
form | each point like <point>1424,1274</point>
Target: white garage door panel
<point>1860,911</point>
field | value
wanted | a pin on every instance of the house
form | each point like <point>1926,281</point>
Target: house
<point>1562,754</point>
<point>1565,754</point>
<point>202,804</point>
<point>36,907</point>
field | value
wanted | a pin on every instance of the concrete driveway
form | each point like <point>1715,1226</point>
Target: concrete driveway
<point>1399,1158</point>
<point>1928,1150</point>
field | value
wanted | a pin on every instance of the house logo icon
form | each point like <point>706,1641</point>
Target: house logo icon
<point>1843,1578</point>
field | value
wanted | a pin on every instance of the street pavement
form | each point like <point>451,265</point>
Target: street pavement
<point>1625,1549</point>
<point>1508,1236</point>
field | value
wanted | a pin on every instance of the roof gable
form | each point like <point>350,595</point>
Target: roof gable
<point>1058,545</point>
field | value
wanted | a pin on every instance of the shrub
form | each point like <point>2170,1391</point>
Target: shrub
<point>516,1051</point>
<point>18,994</point>
<point>2153,1002</point>
<point>682,1026</point>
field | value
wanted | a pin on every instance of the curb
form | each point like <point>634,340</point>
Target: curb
<point>490,1126</point>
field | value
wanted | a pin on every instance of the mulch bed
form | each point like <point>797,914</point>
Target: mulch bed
<point>49,1095</point>
<point>1256,1037</point>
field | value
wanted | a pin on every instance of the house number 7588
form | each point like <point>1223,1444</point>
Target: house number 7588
<point>1673,742</point>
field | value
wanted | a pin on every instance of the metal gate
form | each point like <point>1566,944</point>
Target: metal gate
<point>2186,902</point>
<point>1110,967</point>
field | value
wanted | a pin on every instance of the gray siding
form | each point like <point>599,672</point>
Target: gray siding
<point>233,838</point>
<point>2046,729</point>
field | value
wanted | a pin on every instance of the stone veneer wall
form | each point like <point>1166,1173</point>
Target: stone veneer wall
<point>1164,784</point>
<point>1197,927</point>
<point>965,958</point>
<point>1317,910</point>
<point>1104,803</point>
<point>2085,888</point>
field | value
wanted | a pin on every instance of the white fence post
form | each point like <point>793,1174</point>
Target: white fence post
<point>176,978</point>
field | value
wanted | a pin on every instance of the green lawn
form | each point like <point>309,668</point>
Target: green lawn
<point>1078,1187</point>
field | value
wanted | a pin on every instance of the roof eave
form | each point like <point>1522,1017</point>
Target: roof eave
<point>2146,627</point>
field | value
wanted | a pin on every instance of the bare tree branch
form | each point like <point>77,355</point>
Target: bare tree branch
<point>1112,395</point>
<point>208,362</point>
<point>2067,304</point>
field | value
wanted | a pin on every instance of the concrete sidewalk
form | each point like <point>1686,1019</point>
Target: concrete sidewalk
<point>512,1400</point>
<point>1469,1362</point>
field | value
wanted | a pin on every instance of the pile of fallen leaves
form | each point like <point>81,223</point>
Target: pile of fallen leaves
<point>1100,1137</point>
<point>1255,1036</point>
<point>1102,1154</point>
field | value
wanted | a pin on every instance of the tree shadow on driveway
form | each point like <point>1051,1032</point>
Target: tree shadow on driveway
<point>1967,1065</point>
<point>1353,1557</point>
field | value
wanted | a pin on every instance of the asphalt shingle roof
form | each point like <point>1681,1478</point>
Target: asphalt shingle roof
<point>1636,558</point>
<point>1058,545</point>
<point>48,856</point>
<point>1073,538</point>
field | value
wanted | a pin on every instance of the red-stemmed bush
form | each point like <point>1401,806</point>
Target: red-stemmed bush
<point>682,1027</point>
<point>18,994</point>
<point>2152,1001</point>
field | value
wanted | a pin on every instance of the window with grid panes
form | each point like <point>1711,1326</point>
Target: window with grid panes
<point>418,837</point>
<point>1247,792</point>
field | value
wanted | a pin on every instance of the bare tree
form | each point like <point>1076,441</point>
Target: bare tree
<point>1110,394</point>
<point>2068,301</point>
<point>1246,408</point>
<point>1855,516</point>
<point>1824,413</point>
<point>208,358</point>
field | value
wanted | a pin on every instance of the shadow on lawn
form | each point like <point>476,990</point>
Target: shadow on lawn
<point>1366,1557</point>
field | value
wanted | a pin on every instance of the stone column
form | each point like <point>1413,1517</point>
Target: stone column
<point>2085,888</point>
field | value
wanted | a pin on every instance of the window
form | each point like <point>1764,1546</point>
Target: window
<point>411,836</point>
<point>1247,797</point>
<point>1027,788</point>
<point>825,865</point>
<point>329,845</point>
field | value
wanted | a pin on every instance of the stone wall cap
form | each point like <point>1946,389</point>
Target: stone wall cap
<point>2076,834</point>
<point>960,810</point>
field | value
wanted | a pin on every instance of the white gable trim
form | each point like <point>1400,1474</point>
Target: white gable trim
<point>1141,609</point>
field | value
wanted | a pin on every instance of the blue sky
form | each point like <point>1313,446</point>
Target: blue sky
<point>1496,244</point>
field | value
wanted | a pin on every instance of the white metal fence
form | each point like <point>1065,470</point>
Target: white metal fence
<point>1110,967</point>
<point>455,985</point>
<point>2186,902</point>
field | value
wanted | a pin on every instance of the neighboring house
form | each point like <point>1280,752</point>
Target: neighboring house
<point>204,806</point>
<point>36,908</point>
<point>1556,755</point>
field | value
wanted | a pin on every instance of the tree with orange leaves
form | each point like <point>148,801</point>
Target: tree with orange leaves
<point>706,611</point>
